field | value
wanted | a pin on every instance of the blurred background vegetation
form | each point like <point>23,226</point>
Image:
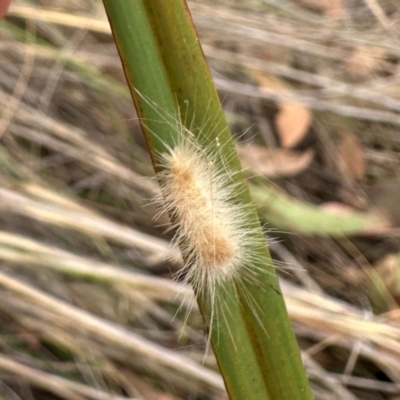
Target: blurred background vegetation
<point>88,310</point>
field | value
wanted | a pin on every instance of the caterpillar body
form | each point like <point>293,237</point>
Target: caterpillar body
<point>202,195</point>
<point>210,226</point>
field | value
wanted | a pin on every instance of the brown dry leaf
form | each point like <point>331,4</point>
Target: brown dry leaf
<point>366,60</point>
<point>332,8</point>
<point>384,195</point>
<point>293,119</point>
<point>292,123</point>
<point>388,270</point>
<point>352,159</point>
<point>268,82</point>
<point>274,163</point>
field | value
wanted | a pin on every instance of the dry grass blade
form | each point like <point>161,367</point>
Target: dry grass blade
<point>116,335</point>
<point>59,386</point>
<point>89,223</point>
<point>25,251</point>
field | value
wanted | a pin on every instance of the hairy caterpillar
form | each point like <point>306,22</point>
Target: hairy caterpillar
<point>201,195</point>
<point>210,227</point>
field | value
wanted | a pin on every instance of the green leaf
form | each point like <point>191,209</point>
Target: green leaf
<point>290,214</point>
